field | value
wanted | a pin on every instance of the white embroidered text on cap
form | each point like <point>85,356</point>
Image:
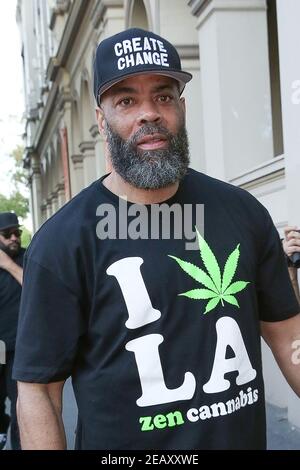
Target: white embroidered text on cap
<point>138,51</point>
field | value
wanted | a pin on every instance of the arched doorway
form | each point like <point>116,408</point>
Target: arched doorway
<point>137,15</point>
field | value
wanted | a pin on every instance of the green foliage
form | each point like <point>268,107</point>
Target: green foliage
<point>18,175</point>
<point>218,287</point>
<point>26,237</point>
<point>15,203</point>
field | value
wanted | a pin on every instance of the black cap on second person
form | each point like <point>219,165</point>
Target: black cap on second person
<point>133,52</point>
<point>8,220</point>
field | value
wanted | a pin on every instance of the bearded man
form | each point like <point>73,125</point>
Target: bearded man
<point>162,343</point>
<point>11,274</point>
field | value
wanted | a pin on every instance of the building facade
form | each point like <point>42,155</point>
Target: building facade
<point>243,108</point>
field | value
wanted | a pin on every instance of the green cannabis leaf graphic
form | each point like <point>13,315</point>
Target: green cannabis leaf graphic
<point>218,287</point>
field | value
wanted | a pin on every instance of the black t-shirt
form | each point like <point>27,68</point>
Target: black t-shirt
<point>162,342</point>
<point>10,294</point>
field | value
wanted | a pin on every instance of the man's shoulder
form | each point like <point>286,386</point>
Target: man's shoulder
<point>74,211</point>
<point>214,186</point>
<point>222,194</point>
<point>64,226</point>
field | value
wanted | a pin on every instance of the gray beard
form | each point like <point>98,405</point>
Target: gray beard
<point>152,169</point>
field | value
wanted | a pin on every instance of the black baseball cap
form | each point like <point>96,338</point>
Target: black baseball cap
<point>8,220</point>
<point>132,52</point>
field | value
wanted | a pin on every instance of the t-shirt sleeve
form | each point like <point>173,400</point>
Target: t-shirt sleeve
<point>50,327</point>
<point>276,298</point>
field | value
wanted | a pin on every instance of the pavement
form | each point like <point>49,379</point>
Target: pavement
<point>281,435</point>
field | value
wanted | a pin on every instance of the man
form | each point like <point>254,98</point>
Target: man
<point>11,273</point>
<point>162,342</point>
<point>291,246</point>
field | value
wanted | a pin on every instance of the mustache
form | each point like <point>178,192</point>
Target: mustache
<point>14,244</point>
<point>150,129</point>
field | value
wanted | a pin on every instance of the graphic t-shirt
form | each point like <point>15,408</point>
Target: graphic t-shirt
<point>10,295</point>
<point>162,341</point>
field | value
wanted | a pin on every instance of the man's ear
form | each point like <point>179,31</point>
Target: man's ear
<point>182,102</point>
<point>101,121</point>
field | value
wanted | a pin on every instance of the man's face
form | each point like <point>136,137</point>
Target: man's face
<point>10,241</point>
<point>143,121</point>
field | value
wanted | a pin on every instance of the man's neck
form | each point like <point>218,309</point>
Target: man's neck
<point>117,185</point>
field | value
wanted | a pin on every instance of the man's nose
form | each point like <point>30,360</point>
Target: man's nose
<point>149,112</point>
<point>13,237</point>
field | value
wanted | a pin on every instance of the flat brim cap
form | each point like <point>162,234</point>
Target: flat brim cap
<point>133,52</point>
<point>8,220</point>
